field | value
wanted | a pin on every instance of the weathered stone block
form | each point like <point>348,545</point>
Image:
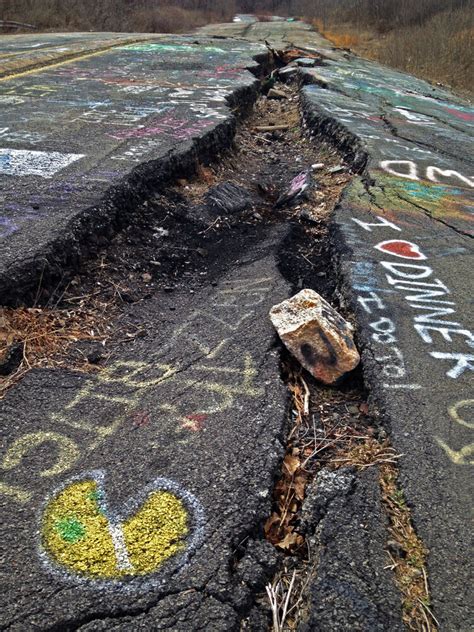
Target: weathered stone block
<point>316,335</point>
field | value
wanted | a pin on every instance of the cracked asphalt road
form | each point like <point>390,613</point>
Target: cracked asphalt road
<point>197,401</point>
<point>21,53</point>
<point>184,430</point>
<point>87,137</point>
<point>404,233</point>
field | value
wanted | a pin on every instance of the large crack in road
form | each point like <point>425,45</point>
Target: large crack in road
<point>147,413</point>
<point>196,281</point>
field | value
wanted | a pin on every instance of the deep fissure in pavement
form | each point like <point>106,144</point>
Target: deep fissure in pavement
<point>188,238</point>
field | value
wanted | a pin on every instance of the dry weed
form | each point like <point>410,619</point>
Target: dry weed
<point>45,335</point>
<point>438,48</point>
<point>338,440</point>
<point>408,557</point>
<point>287,594</point>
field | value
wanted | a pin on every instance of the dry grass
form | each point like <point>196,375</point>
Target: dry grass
<point>410,565</point>
<point>287,594</point>
<point>327,432</point>
<point>319,437</point>
<point>339,37</point>
<point>290,489</point>
<point>116,15</point>
<point>170,19</point>
<point>441,49</point>
<point>44,336</point>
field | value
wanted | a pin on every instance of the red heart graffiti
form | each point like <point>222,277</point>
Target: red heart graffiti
<point>401,248</point>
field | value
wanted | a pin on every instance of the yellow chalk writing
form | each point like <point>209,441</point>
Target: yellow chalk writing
<point>134,368</point>
<point>454,412</point>
<point>67,451</point>
<point>155,533</point>
<point>22,495</point>
<point>458,457</point>
<point>78,534</point>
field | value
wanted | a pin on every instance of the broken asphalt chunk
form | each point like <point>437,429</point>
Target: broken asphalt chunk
<point>273,93</point>
<point>229,198</point>
<point>316,335</point>
<point>288,71</point>
<point>298,186</point>
<point>306,62</point>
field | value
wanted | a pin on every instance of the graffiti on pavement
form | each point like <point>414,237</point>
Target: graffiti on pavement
<point>119,390</point>
<point>433,318</point>
<point>408,169</point>
<point>20,162</point>
<point>82,538</point>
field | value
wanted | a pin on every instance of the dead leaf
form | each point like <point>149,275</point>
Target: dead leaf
<point>206,174</point>
<point>299,485</point>
<point>273,520</point>
<point>290,541</point>
<point>291,463</point>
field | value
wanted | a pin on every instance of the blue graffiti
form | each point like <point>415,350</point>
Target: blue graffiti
<point>7,227</point>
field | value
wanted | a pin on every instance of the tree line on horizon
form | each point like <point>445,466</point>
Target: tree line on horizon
<point>433,39</point>
<point>181,15</point>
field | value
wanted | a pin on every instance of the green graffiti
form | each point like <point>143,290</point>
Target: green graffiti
<point>70,529</point>
<point>97,496</point>
<point>398,195</point>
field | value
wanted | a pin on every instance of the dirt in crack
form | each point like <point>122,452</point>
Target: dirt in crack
<point>185,236</point>
<point>331,428</point>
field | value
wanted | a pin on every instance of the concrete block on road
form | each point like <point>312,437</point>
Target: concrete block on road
<point>319,338</point>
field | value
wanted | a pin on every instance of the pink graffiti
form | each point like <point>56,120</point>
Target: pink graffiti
<point>465,116</point>
<point>194,422</point>
<point>299,182</point>
<point>141,418</point>
<point>222,72</point>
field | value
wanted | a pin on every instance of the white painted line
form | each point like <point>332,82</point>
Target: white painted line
<point>22,162</point>
<point>120,547</point>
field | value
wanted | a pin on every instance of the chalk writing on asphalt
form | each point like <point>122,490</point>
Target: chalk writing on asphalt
<point>425,293</point>
<point>119,389</point>
<point>459,413</point>
<point>434,319</point>
<point>409,169</point>
<point>21,162</point>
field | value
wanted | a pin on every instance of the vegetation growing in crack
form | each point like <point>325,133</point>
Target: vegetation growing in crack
<point>335,428</point>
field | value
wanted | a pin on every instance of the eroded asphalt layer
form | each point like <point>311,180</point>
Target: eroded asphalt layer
<point>85,138</point>
<point>163,462</point>
<point>157,469</point>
